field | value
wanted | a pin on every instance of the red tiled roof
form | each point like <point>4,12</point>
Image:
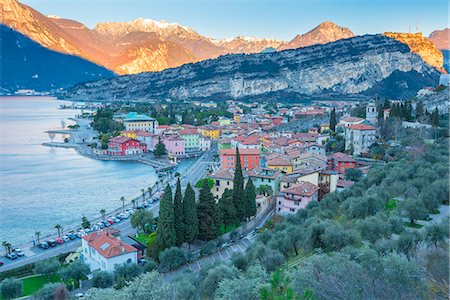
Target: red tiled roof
<point>279,161</point>
<point>344,183</point>
<point>361,127</point>
<point>304,188</point>
<point>120,139</point>
<point>342,157</point>
<point>242,151</point>
<point>351,119</point>
<point>108,245</point>
<point>188,131</point>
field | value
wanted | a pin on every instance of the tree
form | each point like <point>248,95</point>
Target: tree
<point>436,234</point>
<point>149,191</point>
<point>123,203</point>
<point>102,279</point>
<point>265,190</point>
<point>206,212</point>
<point>165,232</point>
<point>103,214</point>
<point>142,220</point>
<point>419,110</point>
<point>143,194</point>
<point>85,222</point>
<point>250,199</point>
<point>279,288</point>
<point>37,234</point>
<point>160,149</point>
<point>178,214</point>
<point>414,208</point>
<point>133,201</point>
<point>435,118</point>
<point>374,228</point>
<point>190,219</point>
<point>47,267</point>
<point>77,270</point>
<point>59,229</point>
<point>227,208</point>
<point>172,258</point>
<point>333,121</point>
<point>50,290</point>
<point>238,189</point>
<point>11,288</point>
<point>7,246</point>
<point>353,174</point>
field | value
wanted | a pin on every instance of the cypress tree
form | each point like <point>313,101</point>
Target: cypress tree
<point>178,214</point>
<point>333,121</point>
<point>250,199</point>
<point>206,212</point>
<point>238,189</point>
<point>419,109</point>
<point>190,218</point>
<point>165,232</point>
<point>227,208</point>
<point>435,118</point>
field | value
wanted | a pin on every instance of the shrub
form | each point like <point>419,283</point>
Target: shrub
<point>172,258</point>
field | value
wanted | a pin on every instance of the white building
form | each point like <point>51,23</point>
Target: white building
<point>359,137</point>
<point>135,121</point>
<point>346,121</point>
<point>103,251</point>
<point>204,143</point>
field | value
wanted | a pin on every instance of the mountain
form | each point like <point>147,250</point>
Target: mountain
<point>27,65</point>
<point>358,66</point>
<point>422,46</point>
<point>441,38</point>
<point>243,44</point>
<point>201,47</point>
<point>326,32</point>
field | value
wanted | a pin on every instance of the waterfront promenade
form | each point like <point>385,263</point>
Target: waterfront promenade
<point>34,254</point>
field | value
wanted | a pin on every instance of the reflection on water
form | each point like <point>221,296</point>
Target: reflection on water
<point>40,186</point>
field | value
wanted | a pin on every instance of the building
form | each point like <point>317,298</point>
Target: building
<point>204,143</point>
<point>191,138</point>
<point>340,162</point>
<point>237,118</point>
<point>266,176</point>
<point>296,197</point>
<point>372,113</point>
<point>348,120</point>
<point>121,146</point>
<point>150,139</point>
<point>280,162</point>
<point>223,179</point>
<point>175,145</point>
<point>210,131</point>
<point>103,251</point>
<point>250,158</point>
<point>359,137</point>
<point>135,121</point>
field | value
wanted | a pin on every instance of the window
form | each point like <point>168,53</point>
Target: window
<point>217,189</point>
<point>217,182</point>
<point>292,210</point>
<point>228,182</point>
<point>129,261</point>
<point>296,203</point>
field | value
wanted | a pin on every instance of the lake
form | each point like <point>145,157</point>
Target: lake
<point>41,186</point>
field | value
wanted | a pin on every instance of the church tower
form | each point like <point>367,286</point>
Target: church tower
<point>371,112</point>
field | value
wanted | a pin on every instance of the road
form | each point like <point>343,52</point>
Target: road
<point>34,254</point>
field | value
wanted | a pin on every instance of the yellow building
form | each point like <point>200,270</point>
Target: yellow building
<point>324,127</point>
<point>129,134</point>
<point>211,132</point>
<point>280,162</point>
<point>237,119</point>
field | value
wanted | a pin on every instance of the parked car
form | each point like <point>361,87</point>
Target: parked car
<point>59,241</point>
<point>101,225</point>
<point>11,256</point>
<point>110,221</point>
<point>72,236</point>
<point>96,227</point>
<point>117,220</point>
<point>19,252</point>
<point>52,243</point>
<point>66,238</point>
<point>44,245</point>
<point>106,224</point>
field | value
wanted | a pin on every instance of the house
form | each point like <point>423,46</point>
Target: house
<point>340,162</point>
<point>346,121</point>
<point>237,118</point>
<point>296,197</point>
<point>175,145</point>
<point>103,251</point>
<point>280,162</point>
<point>266,176</point>
<point>210,131</point>
<point>311,160</point>
<point>135,121</point>
<point>250,158</point>
<point>191,138</point>
<point>204,143</point>
<point>359,137</point>
<point>121,146</point>
<point>148,138</point>
<point>223,179</point>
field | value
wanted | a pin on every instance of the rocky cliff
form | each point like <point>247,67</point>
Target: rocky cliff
<point>422,46</point>
<point>350,67</point>
<point>244,44</point>
<point>441,38</point>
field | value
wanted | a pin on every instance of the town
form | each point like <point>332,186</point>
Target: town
<point>254,164</point>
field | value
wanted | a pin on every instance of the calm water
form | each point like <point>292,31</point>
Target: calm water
<point>40,186</point>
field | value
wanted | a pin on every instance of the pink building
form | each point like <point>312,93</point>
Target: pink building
<point>175,145</point>
<point>296,197</point>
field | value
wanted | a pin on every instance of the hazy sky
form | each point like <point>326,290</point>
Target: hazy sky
<point>281,19</point>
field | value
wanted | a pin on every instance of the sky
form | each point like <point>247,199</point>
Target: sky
<point>281,19</point>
